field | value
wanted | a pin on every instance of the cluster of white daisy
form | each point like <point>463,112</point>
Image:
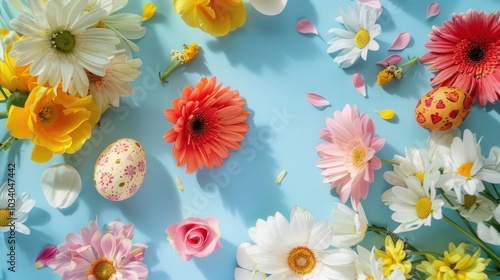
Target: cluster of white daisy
<point>303,249</point>
<point>83,46</point>
<point>450,173</point>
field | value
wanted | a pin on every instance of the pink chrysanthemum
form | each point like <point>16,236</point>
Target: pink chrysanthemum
<point>466,53</point>
<point>97,255</point>
<point>348,160</point>
<point>209,121</point>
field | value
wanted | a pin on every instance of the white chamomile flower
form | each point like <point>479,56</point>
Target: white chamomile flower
<point>60,46</point>
<point>298,250</point>
<point>416,204</point>
<point>349,227</point>
<point>126,25</point>
<point>370,267</point>
<point>415,163</point>
<point>473,207</point>
<point>107,89</point>
<point>247,269</point>
<point>463,168</point>
<point>439,143</point>
<point>14,209</point>
<point>359,37</point>
<point>488,234</point>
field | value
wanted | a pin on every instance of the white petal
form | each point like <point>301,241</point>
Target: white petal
<point>244,260</point>
<point>61,185</point>
<point>269,7</point>
<point>488,234</point>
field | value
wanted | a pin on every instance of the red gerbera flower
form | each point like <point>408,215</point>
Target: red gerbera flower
<point>209,121</point>
<point>466,53</point>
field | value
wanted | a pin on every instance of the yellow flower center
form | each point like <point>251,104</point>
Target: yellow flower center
<point>358,156</point>
<point>301,260</point>
<point>384,77</point>
<point>102,269</point>
<point>423,207</point>
<point>370,278</point>
<point>48,114</point>
<point>5,217</point>
<point>63,41</point>
<point>362,38</point>
<point>99,82</point>
<point>189,52</point>
<point>420,176</point>
<point>469,201</point>
<point>464,169</point>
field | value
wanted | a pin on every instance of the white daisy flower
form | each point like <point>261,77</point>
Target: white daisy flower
<point>416,204</point>
<point>415,163</point>
<point>60,46</point>
<point>370,267</point>
<point>349,227</point>
<point>248,268</point>
<point>126,25</point>
<point>298,250</point>
<point>107,89</point>
<point>14,210</point>
<point>463,167</point>
<point>474,207</point>
<point>439,142</point>
<point>359,37</point>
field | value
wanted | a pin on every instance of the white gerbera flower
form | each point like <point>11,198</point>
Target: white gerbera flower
<point>370,267</point>
<point>463,167</point>
<point>415,163</point>
<point>416,204</point>
<point>107,89</point>
<point>248,268</point>
<point>298,250</point>
<point>359,36</point>
<point>14,209</point>
<point>60,46</point>
<point>475,208</point>
<point>127,26</point>
<point>349,226</point>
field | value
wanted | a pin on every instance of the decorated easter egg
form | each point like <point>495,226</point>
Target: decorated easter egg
<point>120,169</point>
<point>443,108</point>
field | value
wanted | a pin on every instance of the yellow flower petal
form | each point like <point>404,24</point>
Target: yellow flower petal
<point>386,114</point>
<point>179,183</point>
<point>280,177</point>
<point>148,11</point>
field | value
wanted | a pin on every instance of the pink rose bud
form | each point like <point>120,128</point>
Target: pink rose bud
<point>194,237</point>
<point>47,254</point>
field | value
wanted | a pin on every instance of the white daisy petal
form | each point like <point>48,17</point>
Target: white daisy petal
<point>269,7</point>
<point>61,185</point>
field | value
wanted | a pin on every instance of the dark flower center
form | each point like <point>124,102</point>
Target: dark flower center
<point>198,125</point>
<point>476,53</point>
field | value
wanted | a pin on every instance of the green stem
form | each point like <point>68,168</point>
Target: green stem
<point>492,272</point>
<point>6,142</point>
<point>3,92</point>
<point>495,189</point>
<point>168,70</point>
<point>3,115</point>
<point>478,241</point>
<point>412,63</point>
<point>389,161</point>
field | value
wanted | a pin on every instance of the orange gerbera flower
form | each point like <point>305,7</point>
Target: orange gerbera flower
<point>55,123</point>
<point>216,17</point>
<point>209,121</point>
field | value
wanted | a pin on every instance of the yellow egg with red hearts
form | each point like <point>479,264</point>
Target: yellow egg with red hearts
<point>120,169</point>
<point>443,108</point>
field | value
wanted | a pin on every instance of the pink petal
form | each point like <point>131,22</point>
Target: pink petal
<point>401,41</point>
<point>372,3</point>
<point>359,83</point>
<point>433,9</point>
<point>393,59</point>
<point>317,100</point>
<point>305,26</point>
<point>47,254</point>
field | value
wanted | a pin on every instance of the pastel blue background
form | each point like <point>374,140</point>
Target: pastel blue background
<point>273,67</point>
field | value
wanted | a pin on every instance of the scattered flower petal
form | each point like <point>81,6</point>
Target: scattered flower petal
<point>47,254</point>
<point>317,100</point>
<point>392,59</point>
<point>179,183</point>
<point>280,177</point>
<point>148,11</point>
<point>386,114</point>
<point>433,9</point>
<point>269,7</point>
<point>359,83</point>
<point>401,42</point>
<point>305,26</point>
<point>61,185</point>
<point>372,3</point>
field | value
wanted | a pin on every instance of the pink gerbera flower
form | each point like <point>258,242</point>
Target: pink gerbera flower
<point>97,255</point>
<point>348,160</point>
<point>466,53</point>
<point>209,121</point>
